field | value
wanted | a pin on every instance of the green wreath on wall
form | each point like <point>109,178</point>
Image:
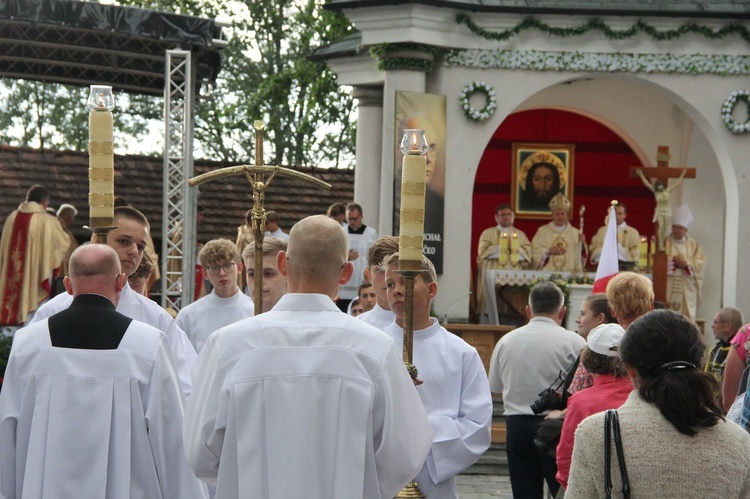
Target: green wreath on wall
<point>478,87</point>
<point>728,107</point>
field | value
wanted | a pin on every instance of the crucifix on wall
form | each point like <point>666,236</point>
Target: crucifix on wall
<point>658,184</point>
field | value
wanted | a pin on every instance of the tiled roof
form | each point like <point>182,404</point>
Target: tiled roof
<point>139,179</point>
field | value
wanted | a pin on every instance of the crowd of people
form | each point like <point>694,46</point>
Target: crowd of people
<point>560,247</point>
<point>308,396</point>
<point>648,365</point>
<point>295,399</point>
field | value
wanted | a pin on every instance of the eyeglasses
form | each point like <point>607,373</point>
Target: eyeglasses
<point>214,269</point>
<point>719,321</point>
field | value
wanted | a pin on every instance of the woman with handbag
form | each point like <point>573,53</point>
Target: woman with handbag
<point>671,434</point>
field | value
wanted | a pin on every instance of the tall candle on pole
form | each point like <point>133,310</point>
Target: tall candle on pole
<point>413,172</point>
<point>413,177</point>
<point>101,162</point>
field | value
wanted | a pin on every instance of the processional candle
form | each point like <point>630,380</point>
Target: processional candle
<point>413,172</point>
<point>101,157</point>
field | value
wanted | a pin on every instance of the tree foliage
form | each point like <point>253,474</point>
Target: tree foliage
<point>266,74</point>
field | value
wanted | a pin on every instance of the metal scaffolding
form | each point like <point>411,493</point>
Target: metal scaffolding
<point>180,200</point>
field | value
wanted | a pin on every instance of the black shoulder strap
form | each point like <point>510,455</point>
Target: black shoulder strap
<point>612,426</point>
<point>569,380</point>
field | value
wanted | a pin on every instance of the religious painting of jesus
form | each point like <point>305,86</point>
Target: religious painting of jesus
<point>539,172</point>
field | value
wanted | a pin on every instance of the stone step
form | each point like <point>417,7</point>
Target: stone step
<point>493,462</point>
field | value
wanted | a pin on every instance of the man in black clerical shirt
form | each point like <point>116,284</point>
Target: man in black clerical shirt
<point>91,405</point>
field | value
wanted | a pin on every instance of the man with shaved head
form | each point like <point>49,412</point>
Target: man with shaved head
<point>304,400</point>
<point>129,238</point>
<point>91,405</point>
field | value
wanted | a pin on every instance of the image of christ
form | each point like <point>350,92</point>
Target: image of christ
<point>542,183</point>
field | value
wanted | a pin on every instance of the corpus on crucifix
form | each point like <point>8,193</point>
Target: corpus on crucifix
<point>256,175</point>
<point>660,175</point>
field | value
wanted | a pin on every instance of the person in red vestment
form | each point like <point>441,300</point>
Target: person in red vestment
<point>32,246</point>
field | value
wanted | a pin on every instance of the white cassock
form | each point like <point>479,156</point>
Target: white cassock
<point>212,312</point>
<point>93,423</point>
<point>138,307</point>
<point>360,243</point>
<point>378,317</point>
<point>456,395</point>
<point>304,401</point>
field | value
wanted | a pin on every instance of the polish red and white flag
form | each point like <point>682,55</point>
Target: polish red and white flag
<point>608,261</point>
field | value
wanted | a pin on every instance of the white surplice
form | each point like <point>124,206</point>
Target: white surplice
<point>456,395</point>
<point>304,401</point>
<point>212,312</point>
<point>93,423</point>
<point>378,317</point>
<point>138,307</point>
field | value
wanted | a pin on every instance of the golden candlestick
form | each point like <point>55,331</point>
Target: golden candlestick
<point>503,257</point>
<point>413,184</point>
<point>643,254</point>
<point>101,162</point>
<point>515,249</point>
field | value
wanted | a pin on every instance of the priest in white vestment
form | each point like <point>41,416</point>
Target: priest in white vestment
<point>221,264</point>
<point>91,406</point>
<point>502,247</point>
<point>128,240</point>
<point>628,238</point>
<point>686,265</point>
<point>305,401</point>
<point>455,389</point>
<point>557,246</point>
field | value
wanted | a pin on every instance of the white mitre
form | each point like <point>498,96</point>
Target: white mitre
<point>682,216</point>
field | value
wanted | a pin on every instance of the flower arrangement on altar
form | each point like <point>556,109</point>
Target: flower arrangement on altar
<point>470,111</point>
<point>728,107</point>
<point>562,282</point>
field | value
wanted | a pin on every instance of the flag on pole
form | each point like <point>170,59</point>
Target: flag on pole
<point>608,261</point>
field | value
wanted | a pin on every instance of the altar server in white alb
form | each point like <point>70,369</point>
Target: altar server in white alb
<point>221,265</point>
<point>128,239</point>
<point>380,316</point>
<point>455,390</point>
<point>91,405</point>
<point>304,401</point>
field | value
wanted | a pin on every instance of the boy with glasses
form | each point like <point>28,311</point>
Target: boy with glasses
<point>226,304</point>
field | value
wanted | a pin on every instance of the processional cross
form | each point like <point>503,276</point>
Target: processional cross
<point>256,176</point>
<point>662,214</point>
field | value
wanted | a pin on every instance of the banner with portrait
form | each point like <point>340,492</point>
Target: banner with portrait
<point>540,171</point>
<point>428,112</point>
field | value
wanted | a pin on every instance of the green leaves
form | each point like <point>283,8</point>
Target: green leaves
<point>265,75</point>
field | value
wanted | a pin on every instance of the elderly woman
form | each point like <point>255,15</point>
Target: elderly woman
<point>673,432</point>
<point>610,389</point>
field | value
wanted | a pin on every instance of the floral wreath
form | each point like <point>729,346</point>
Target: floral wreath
<point>482,88</point>
<point>728,107</point>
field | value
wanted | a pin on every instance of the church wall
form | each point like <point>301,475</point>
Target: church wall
<point>645,109</point>
<point>646,115</point>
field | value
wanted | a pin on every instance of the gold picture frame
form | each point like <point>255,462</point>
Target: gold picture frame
<point>539,172</point>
